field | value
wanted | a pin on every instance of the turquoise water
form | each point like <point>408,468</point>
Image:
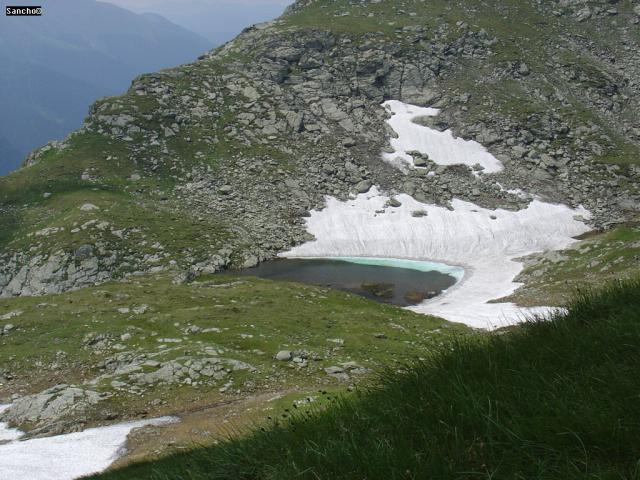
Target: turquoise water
<point>420,265</point>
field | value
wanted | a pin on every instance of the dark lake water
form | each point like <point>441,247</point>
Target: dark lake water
<point>397,286</point>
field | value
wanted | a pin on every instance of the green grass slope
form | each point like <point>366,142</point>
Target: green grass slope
<point>78,337</point>
<point>599,258</point>
<point>554,400</point>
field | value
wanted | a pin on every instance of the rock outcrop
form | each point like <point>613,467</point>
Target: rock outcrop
<point>47,412</point>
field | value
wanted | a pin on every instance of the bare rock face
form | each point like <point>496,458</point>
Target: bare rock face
<point>45,411</point>
<point>55,273</point>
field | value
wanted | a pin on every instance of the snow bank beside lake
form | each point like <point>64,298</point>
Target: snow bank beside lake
<point>441,147</point>
<point>484,242</point>
<point>65,457</point>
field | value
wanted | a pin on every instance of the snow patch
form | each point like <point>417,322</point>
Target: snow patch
<point>65,457</point>
<point>484,242</point>
<point>7,434</point>
<point>441,147</point>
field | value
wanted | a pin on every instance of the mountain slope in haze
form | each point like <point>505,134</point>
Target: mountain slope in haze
<point>218,21</point>
<point>55,66</point>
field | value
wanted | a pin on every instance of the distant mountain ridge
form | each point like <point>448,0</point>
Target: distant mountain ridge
<point>56,65</point>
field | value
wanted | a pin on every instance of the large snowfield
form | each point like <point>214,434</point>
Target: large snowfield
<point>486,243</point>
<point>64,457</point>
<point>468,236</point>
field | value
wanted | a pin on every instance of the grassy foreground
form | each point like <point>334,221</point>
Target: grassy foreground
<point>101,338</point>
<point>549,400</point>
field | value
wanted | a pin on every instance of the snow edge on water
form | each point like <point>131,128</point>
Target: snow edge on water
<point>454,271</point>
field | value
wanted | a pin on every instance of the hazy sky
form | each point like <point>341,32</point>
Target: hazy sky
<point>217,20</point>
